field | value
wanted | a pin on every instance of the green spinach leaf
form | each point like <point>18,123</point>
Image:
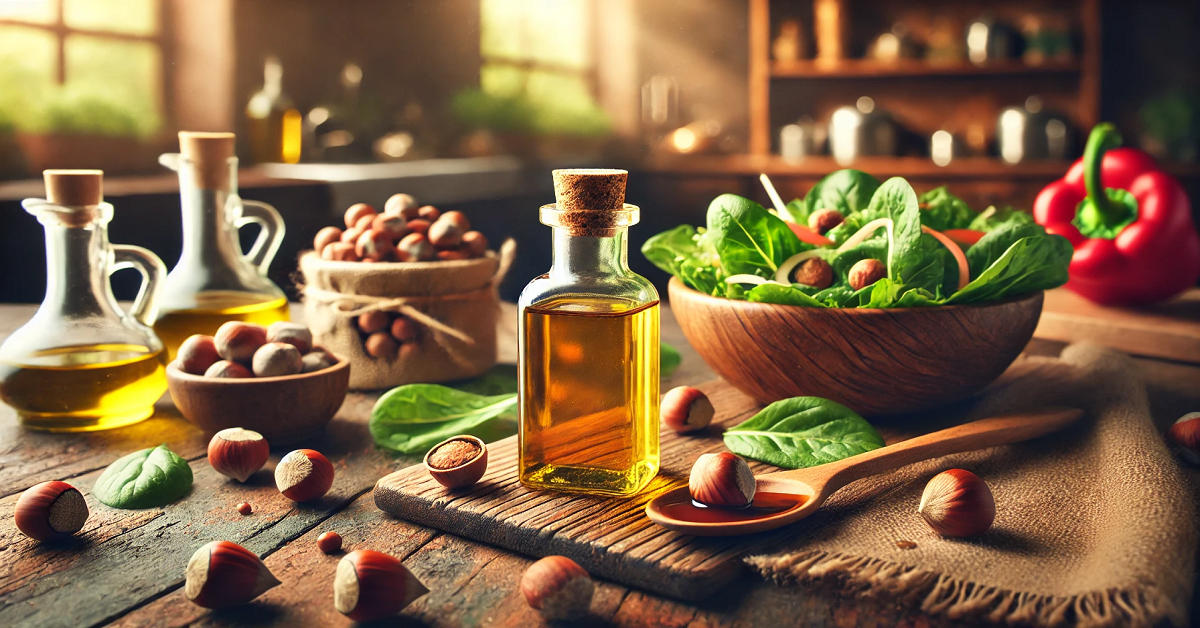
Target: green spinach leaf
<point>748,238</point>
<point>941,210</point>
<point>668,359</point>
<point>803,432</point>
<point>669,249</point>
<point>994,243</point>
<point>144,479</point>
<point>992,218</point>
<point>847,191</point>
<point>1030,264</point>
<point>414,417</point>
<point>782,295</point>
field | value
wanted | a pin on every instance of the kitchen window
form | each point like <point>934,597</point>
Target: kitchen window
<point>83,66</point>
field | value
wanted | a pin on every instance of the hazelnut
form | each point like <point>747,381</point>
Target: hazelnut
<point>419,225</point>
<point>325,237</point>
<point>196,354</point>
<point>428,212</point>
<point>381,345</point>
<point>341,252</point>
<point>238,453</point>
<point>304,475</point>
<point>223,575</point>
<point>245,509</point>
<point>451,255</point>
<point>371,322</point>
<point>371,585</point>
<point>401,205</point>
<point>329,542</point>
<point>686,409</point>
<point>364,223</point>
<point>404,329</point>
<point>475,243</point>
<point>865,272</point>
<point>823,220</point>
<point>50,511</point>
<point>392,224</point>
<point>814,272</point>
<point>350,236</point>
<point>722,479</point>
<point>375,245</point>
<point>316,361</point>
<point>290,333</point>
<point>558,588</point>
<point>277,359</point>
<point>459,219</point>
<point>457,462</point>
<point>228,370</point>
<point>237,341</point>
<point>356,212</point>
<point>1185,435</point>
<point>956,503</point>
<point>415,247</point>
<point>444,234</point>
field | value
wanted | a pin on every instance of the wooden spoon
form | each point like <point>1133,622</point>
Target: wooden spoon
<point>809,488</point>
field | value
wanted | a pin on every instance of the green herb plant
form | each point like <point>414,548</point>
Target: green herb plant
<point>1014,256</point>
<point>144,479</point>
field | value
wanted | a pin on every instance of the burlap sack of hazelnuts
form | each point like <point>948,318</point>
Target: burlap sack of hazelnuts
<point>454,305</point>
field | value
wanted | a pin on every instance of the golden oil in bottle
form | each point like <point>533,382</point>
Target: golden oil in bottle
<point>214,308</point>
<point>85,388</point>
<point>589,416</point>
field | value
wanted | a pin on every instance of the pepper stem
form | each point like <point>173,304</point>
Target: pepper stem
<point>1102,139</point>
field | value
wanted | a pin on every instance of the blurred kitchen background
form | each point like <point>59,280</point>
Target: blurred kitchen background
<point>468,104</point>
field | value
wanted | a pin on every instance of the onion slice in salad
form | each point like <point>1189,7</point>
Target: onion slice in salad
<point>746,278</point>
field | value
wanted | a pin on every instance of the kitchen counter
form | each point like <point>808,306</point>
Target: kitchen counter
<point>126,568</point>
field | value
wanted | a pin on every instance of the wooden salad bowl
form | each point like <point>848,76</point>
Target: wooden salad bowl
<point>283,409</point>
<point>875,361</point>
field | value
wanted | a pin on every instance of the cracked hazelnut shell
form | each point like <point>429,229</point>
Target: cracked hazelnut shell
<point>50,511</point>
<point>458,461</point>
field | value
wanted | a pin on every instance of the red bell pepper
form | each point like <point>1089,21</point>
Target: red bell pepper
<point>1130,223</point>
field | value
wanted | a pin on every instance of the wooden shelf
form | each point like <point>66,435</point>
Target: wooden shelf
<point>976,168</point>
<point>869,68</point>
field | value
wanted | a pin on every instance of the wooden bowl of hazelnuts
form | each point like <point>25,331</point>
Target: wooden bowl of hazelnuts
<point>874,361</point>
<point>271,380</point>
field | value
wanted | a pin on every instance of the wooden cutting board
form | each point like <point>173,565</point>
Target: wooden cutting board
<point>1168,330</point>
<point>610,537</point>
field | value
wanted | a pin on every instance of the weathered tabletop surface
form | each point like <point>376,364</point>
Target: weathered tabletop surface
<point>126,567</point>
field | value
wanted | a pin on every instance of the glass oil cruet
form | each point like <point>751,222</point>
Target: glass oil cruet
<point>215,281</point>
<point>81,363</point>
<point>589,348</point>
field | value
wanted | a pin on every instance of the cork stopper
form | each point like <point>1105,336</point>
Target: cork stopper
<point>74,188</point>
<point>590,199</point>
<point>210,153</point>
<point>198,146</point>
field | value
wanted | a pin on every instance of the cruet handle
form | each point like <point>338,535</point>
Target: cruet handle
<point>269,238</point>
<point>145,306</point>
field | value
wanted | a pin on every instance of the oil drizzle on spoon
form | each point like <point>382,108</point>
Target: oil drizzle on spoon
<point>764,505</point>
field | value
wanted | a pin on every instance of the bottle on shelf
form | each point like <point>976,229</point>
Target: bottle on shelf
<point>276,127</point>
<point>81,363</point>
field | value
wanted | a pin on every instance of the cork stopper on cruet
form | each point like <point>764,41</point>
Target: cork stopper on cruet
<point>210,152</point>
<point>588,199</point>
<point>74,188</point>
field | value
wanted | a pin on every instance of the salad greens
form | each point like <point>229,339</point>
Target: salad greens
<point>740,252</point>
<point>144,479</point>
<point>803,432</point>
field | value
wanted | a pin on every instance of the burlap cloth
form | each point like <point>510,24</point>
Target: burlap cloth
<point>454,303</point>
<point>1094,525</point>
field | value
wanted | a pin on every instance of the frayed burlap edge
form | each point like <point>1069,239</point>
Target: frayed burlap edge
<point>957,599</point>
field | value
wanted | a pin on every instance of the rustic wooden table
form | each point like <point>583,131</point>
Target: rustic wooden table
<point>126,567</point>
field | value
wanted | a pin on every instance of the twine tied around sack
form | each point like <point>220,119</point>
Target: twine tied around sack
<point>352,305</point>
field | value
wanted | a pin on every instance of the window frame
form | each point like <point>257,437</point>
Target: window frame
<point>159,38</point>
<point>588,74</point>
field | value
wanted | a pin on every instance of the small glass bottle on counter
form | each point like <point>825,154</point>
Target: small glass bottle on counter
<point>81,363</point>
<point>215,282</point>
<point>589,348</point>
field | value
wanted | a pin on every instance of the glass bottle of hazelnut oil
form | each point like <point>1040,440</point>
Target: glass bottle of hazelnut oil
<point>589,348</point>
<point>214,281</point>
<point>81,363</point>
